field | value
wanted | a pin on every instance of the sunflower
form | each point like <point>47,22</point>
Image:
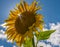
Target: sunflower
<point>23,21</point>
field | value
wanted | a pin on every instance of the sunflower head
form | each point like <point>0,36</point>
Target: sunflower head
<point>23,21</point>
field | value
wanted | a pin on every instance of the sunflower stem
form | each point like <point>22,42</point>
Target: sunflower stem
<point>33,42</point>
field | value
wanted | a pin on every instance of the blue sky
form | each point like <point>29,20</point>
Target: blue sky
<point>50,11</point>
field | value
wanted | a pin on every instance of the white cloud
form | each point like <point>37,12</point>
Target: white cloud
<point>9,41</point>
<point>3,25</point>
<point>2,35</point>
<point>55,26</point>
<point>2,46</point>
<point>14,46</point>
<point>55,37</point>
<point>48,45</point>
<point>43,44</point>
<point>45,29</point>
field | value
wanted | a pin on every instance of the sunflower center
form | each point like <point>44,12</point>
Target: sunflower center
<point>24,21</point>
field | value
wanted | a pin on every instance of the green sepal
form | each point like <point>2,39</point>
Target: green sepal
<point>43,35</point>
<point>28,43</point>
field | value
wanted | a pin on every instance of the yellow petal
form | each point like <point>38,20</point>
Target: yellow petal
<point>17,37</point>
<point>32,6</point>
<point>14,14</point>
<point>37,32</point>
<point>20,7</point>
<point>9,24</point>
<point>9,20</point>
<point>19,43</point>
<point>11,34</point>
<point>30,33</point>
<point>26,6</point>
<point>13,37</point>
<point>9,29</point>
<point>37,8</point>
<point>39,17</point>
<point>40,27</point>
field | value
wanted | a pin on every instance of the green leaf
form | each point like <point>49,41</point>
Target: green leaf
<point>45,34</point>
<point>28,43</point>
